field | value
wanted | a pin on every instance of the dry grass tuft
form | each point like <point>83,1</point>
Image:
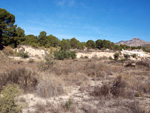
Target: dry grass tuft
<point>8,51</point>
<point>24,77</point>
<point>134,107</point>
<point>50,87</point>
<point>144,63</point>
<point>40,108</point>
<point>145,87</point>
<point>120,88</point>
<point>76,79</point>
<point>55,108</point>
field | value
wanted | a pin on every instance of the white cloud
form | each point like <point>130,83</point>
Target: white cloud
<point>64,3</point>
<point>71,2</point>
<point>61,2</point>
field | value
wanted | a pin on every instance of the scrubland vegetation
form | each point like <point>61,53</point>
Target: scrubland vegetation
<point>75,86</point>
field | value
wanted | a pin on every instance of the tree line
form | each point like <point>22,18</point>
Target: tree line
<point>11,35</point>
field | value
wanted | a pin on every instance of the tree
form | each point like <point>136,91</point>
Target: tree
<point>52,41</point>
<point>42,38</point>
<point>31,40</point>
<point>20,34</point>
<point>81,45</point>
<point>106,44</point>
<point>90,44</point>
<point>74,43</point>
<point>65,45</point>
<point>117,47</point>
<point>7,28</point>
<point>124,46</point>
<point>99,44</point>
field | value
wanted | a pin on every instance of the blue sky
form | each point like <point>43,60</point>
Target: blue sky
<point>112,20</point>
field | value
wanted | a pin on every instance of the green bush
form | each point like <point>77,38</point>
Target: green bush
<point>116,56</point>
<point>126,56</point>
<point>110,58</point>
<point>23,54</point>
<point>134,55</point>
<point>68,104</point>
<point>7,99</point>
<point>61,55</point>
<point>73,54</point>
<point>47,64</point>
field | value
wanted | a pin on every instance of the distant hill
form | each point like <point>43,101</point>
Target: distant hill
<point>134,42</point>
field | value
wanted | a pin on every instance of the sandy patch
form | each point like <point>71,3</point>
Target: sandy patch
<point>95,54</point>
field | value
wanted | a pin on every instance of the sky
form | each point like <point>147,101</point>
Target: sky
<point>113,20</point>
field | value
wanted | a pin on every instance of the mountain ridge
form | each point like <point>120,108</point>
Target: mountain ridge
<point>133,42</point>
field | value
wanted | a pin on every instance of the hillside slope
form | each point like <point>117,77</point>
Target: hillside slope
<point>134,42</point>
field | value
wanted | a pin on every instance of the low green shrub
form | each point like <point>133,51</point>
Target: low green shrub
<point>47,64</point>
<point>23,54</point>
<point>68,104</point>
<point>61,55</point>
<point>116,56</point>
<point>110,58</point>
<point>7,99</point>
<point>126,56</point>
<point>134,55</point>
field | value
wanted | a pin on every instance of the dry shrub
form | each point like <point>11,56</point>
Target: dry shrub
<point>47,63</point>
<point>95,57</point>
<point>141,73</point>
<point>24,77</point>
<point>40,108</point>
<point>88,67</point>
<point>55,108</point>
<point>124,106</point>
<point>31,60</point>
<point>145,87</point>
<point>116,68</point>
<point>50,87</point>
<point>120,88</point>
<point>98,69</point>
<point>145,63</point>
<point>89,109</point>
<point>8,51</point>
<point>134,107</point>
<point>66,67</point>
<point>76,79</point>
<point>130,64</point>
<point>101,91</point>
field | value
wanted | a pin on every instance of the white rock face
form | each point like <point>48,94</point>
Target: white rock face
<point>95,54</point>
<point>138,53</point>
<point>33,52</point>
